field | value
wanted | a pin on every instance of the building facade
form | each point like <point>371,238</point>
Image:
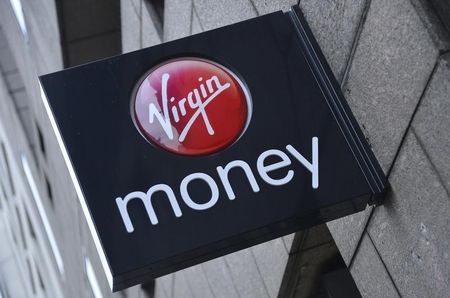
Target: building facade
<point>392,59</point>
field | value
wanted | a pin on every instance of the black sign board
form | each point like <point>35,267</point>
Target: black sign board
<point>202,146</point>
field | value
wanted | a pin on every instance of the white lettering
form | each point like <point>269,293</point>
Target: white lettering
<point>195,100</point>
<point>153,111</point>
<point>187,198</point>
<point>146,199</point>
<point>223,174</point>
<point>313,166</point>
<point>263,170</point>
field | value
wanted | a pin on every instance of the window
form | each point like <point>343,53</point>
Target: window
<point>13,233</point>
<point>92,279</point>
<point>49,191</point>
<point>18,12</point>
<point>33,286</point>
<point>41,141</point>
<point>30,226</point>
<point>158,6</point>
<point>155,9</point>
<point>22,234</point>
<point>40,206</point>
<point>4,293</point>
<point>2,194</point>
<point>41,282</point>
<point>148,288</point>
<point>2,183</point>
<point>7,169</point>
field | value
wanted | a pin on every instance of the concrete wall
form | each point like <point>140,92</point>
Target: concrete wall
<point>394,72</point>
<point>397,63</point>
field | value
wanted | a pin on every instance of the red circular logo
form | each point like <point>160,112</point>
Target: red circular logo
<point>191,106</point>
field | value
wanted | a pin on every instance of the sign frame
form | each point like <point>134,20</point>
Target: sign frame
<point>74,144</point>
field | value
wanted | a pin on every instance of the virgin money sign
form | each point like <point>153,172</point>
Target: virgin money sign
<point>199,147</point>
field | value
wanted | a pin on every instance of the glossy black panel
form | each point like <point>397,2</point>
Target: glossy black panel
<point>91,104</point>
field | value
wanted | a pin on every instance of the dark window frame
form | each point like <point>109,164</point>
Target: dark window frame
<point>41,141</point>
<point>21,229</point>
<point>156,11</point>
<point>49,189</point>
<point>7,168</point>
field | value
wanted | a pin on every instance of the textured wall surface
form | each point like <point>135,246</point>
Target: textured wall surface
<point>398,63</point>
<point>392,60</point>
